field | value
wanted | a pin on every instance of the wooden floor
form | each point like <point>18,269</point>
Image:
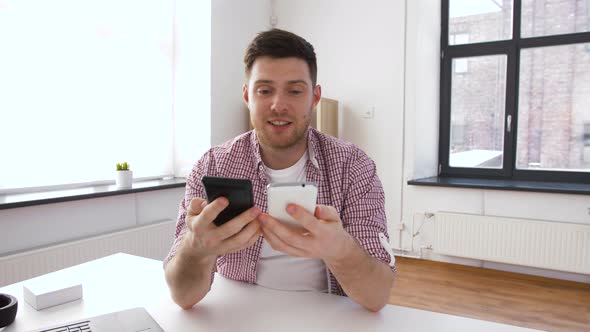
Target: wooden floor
<point>509,298</point>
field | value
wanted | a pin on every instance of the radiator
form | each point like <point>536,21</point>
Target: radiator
<point>151,241</point>
<point>541,244</point>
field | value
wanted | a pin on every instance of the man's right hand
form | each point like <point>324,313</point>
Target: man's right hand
<point>189,273</point>
<point>206,240</point>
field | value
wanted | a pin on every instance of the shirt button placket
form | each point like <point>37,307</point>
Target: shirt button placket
<point>253,272</point>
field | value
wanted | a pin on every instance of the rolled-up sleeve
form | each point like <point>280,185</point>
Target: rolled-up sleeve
<point>194,189</point>
<point>363,215</point>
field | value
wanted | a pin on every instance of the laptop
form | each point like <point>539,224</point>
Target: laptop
<point>132,320</point>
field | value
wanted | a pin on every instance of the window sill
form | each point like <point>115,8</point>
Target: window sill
<point>513,185</point>
<point>47,197</point>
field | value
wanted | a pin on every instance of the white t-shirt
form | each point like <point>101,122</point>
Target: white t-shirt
<point>278,270</point>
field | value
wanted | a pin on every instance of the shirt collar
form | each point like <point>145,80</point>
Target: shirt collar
<point>256,149</point>
<point>312,142</point>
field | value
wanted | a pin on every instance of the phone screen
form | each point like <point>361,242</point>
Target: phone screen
<point>237,191</point>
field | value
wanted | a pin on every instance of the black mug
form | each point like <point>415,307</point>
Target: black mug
<point>8,307</point>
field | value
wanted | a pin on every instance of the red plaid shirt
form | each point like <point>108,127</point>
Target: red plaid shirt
<point>346,178</point>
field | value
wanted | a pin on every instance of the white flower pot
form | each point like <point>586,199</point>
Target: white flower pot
<point>124,179</point>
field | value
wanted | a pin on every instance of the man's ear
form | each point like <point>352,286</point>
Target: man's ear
<point>317,95</point>
<point>245,93</point>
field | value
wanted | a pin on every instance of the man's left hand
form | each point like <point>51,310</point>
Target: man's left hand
<point>321,234</point>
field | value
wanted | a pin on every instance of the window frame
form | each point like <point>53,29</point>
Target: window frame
<point>511,48</point>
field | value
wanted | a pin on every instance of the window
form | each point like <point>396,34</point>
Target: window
<point>458,39</point>
<point>460,65</point>
<point>84,85</point>
<point>523,110</point>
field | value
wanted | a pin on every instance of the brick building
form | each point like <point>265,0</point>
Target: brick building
<point>554,90</point>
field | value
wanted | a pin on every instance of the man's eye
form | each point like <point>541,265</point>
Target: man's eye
<point>263,91</point>
<point>296,92</point>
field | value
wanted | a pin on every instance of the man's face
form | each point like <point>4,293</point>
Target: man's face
<point>281,100</point>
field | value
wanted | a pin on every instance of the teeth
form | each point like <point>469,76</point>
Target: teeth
<point>279,123</point>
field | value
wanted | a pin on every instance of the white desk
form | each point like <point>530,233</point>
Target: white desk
<point>123,281</point>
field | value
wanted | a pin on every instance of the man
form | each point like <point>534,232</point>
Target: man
<point>339,251</point>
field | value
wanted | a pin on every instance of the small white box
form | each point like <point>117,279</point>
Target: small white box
<point>51,290</point>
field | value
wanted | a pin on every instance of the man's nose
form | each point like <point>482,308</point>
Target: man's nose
<point>279,102</point>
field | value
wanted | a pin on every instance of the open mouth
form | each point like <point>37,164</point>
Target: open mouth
<point>279,123</point>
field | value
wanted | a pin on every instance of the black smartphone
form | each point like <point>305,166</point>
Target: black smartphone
<point>237,191</point>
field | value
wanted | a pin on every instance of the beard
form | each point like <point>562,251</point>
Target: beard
<point>286,140</point>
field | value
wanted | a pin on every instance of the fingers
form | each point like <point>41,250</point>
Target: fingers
<point>254,236</point>
<point>234,226</point>
<point>209,213</point>
<point>277,244</point>
<point>326,212</point>
<point>243,239</point>
<point>195,206</point>
<point>303,217</point>
<point>238,233</point>
<point>291,236</point>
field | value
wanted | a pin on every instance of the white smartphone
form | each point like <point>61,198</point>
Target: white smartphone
<point>281,194</point>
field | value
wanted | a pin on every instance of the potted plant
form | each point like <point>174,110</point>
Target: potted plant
<point>124,175</point>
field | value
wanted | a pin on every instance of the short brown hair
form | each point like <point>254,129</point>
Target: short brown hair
<point>277,43</point>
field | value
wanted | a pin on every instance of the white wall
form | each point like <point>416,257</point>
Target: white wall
<point>233,25</point>
<point>36,226</point>
<point>360,51</point>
